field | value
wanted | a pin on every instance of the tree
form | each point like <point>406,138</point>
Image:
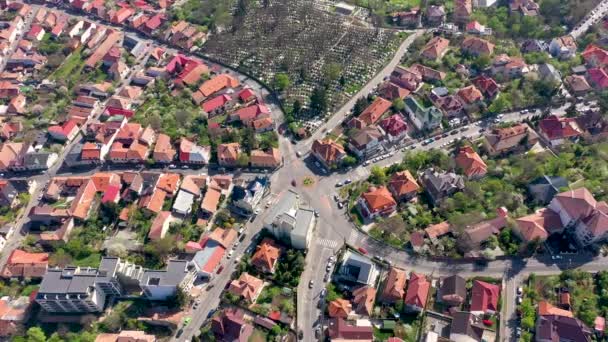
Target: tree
<point>378,175</point>
<point>297,107</point>
<point>318,100</point>
<point>281,81</point>
<point>349,161</point>
<point>181,298</point>
<point>500,104</point>
<point>182,117</point>
<point>332,71</point>
<point>398,105</point>
<point>360,105</point>
<point>35,334</point>
<point>243,160</point>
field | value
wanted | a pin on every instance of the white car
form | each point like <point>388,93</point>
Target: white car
<point>230,254</point>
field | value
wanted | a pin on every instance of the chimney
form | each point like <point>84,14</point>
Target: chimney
<point>502,212</point>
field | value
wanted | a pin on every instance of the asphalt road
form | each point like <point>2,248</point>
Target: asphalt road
<point>590,19</point>
<point>339,115</point>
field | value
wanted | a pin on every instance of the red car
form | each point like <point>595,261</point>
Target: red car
<point>487,322</point>
<point>293,182</point>
<point>219,270</point>
<point>362,250</point>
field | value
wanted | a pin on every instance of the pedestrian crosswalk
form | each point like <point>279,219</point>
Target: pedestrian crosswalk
<point>327,243</point>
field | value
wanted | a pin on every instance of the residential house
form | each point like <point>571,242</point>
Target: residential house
<point>341,330</point>
<point>450,105</point>
<point>561,328</point>
<point>539,225</point>
<point>358,268</point>
<point>392,91</point>
<point>470,97</point>
<point>210,201</point>
<point>453,291</point>
<point>363,300</point>
<point>403,186</point>
<point>484,297</point>
<point>66,132</point>
<point>409,18</point>
<point>466,327</point>
<point>474,27</point>
<point>270,158</point>
<point>509,67</point>
<point>126,336</point>
<point>435,15</point>
<point>577,85</point>
<point>16,105</point>
<point>597,78</point>
<point>14,312</point>
<point>471,163</point>
<point>191,153</point>
<point>463,9</point>
<point>533,45</point>
<point>160,225</point>
<point>439,185</point>
<point>11,154</point>
<point>266,256</point>
<point>228,154</point>
<point>21,264</point>
<point>595,56</point>
<point>247,195</point>
<point>558,130</point>
<point>10,129</point>
<point>563,47</point>
<point>435,49</point>
<point>424,119</point>
<point>594,125</point>
<point>525,7</point>
<point>36,161</point>
<point>163,151</point>
<point>427,74</point>
<point>216,105</point>
<point>339,308</point>
<point>8,194</point>
<point>477,46</point>
<point>366,142</point>
<point>543,189</point>
<point>376,202</point>
<point>371,114</point>
<point>290,221</point>
<point>582,214</point>
<point>406,78</point>
<point>246,287</point>
<point>509,139</point>
<point>217,83</point>
<point>395,127</point>
<point>394,286</point>
<point>183,203</point>
<point>548,73</point>
<point>417,293</point>
<point>230,325</point>
<point>328,152</point>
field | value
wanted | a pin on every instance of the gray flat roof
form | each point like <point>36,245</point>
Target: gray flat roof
<point>284,203</point>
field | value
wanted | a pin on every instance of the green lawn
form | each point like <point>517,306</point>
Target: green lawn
<point>71,68</point>
<point>92,260</point>
<point>258,336</point>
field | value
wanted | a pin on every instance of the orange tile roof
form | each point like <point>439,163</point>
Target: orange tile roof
<point>374,111</point>
<point>339,308</point>
<point>438,230</point>
<point>155,201</point>
<point>328,150</point>
<point>218,83</point>
<point>247,286</point>
<point>470,162</point>
<point>26,265</point>
<point>470,94</point>
<point>163,150</point>
<point>363,298</point>
<point>211,200</point>
<point>545,308</point>
<point>224,237</point>
<point>271,158</point>
<point>168,182</point>
<point>156,230</point>
<point>103,179</point>
<point>84,199</point>
<point>435,47</point>
<point>394,288</point>
<point>378,198</point>
<point>402,183</point>
<point>266,255</point>
<point>228,153</point>
<point>417,290</point>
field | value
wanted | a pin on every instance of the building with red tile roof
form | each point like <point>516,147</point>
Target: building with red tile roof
<point>216,104</point>
<point>266,256</point>
<point>270,158</point>
<point>246,95</point>
<point>341,330</point>
<point>463,9</point>
<point>435,48</point>
<point>363,300</point>
<point>153,202</point>
<point>247,287</point>
<point>112,194</point>
<point>210,201</point>
<point>503,140</point>
<point>395,126</point>
<point>163,150</point>
<point>339,308</point>
<point>469,95</point>
<point>487,86</point>
<point>8,89</point>
<point>403,185</point>
<point>477,46</point>
<point>66,132</point>
<point>193,154</point>
<point>160,225</point>
<point>417,292</point>
<point>597,78</point>
<point>17,105</point>
<point>328,152</point>
<point>595,56</point>
<point>81,205</point>
<point>471,163</point>
<point>538,226</point>
<point>218,83</point>
<point>126,336</point>
<point>394,286</point>
<point>577,84</point>
<point>558,130</point>
<point>376,202</point>
<point>374,111</point>
<point>438,230</point>
<point>8,130</point>
<point>230,325</point>
<point>224,237</point>
<point>113,38</point>
<point>121,15</point>
<point>21,264</point>
<point>10,153</point>
<point>228,154</point>
<point>392,91</point>
<point>248,114</point>
<point>484,297</point>
<point>545,308</point>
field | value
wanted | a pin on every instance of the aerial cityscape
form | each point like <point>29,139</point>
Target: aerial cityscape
<point>303,170</point>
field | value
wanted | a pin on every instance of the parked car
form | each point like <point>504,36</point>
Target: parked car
<point>311,284</point>
<point>362,250</point>
<point>340,205</point>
